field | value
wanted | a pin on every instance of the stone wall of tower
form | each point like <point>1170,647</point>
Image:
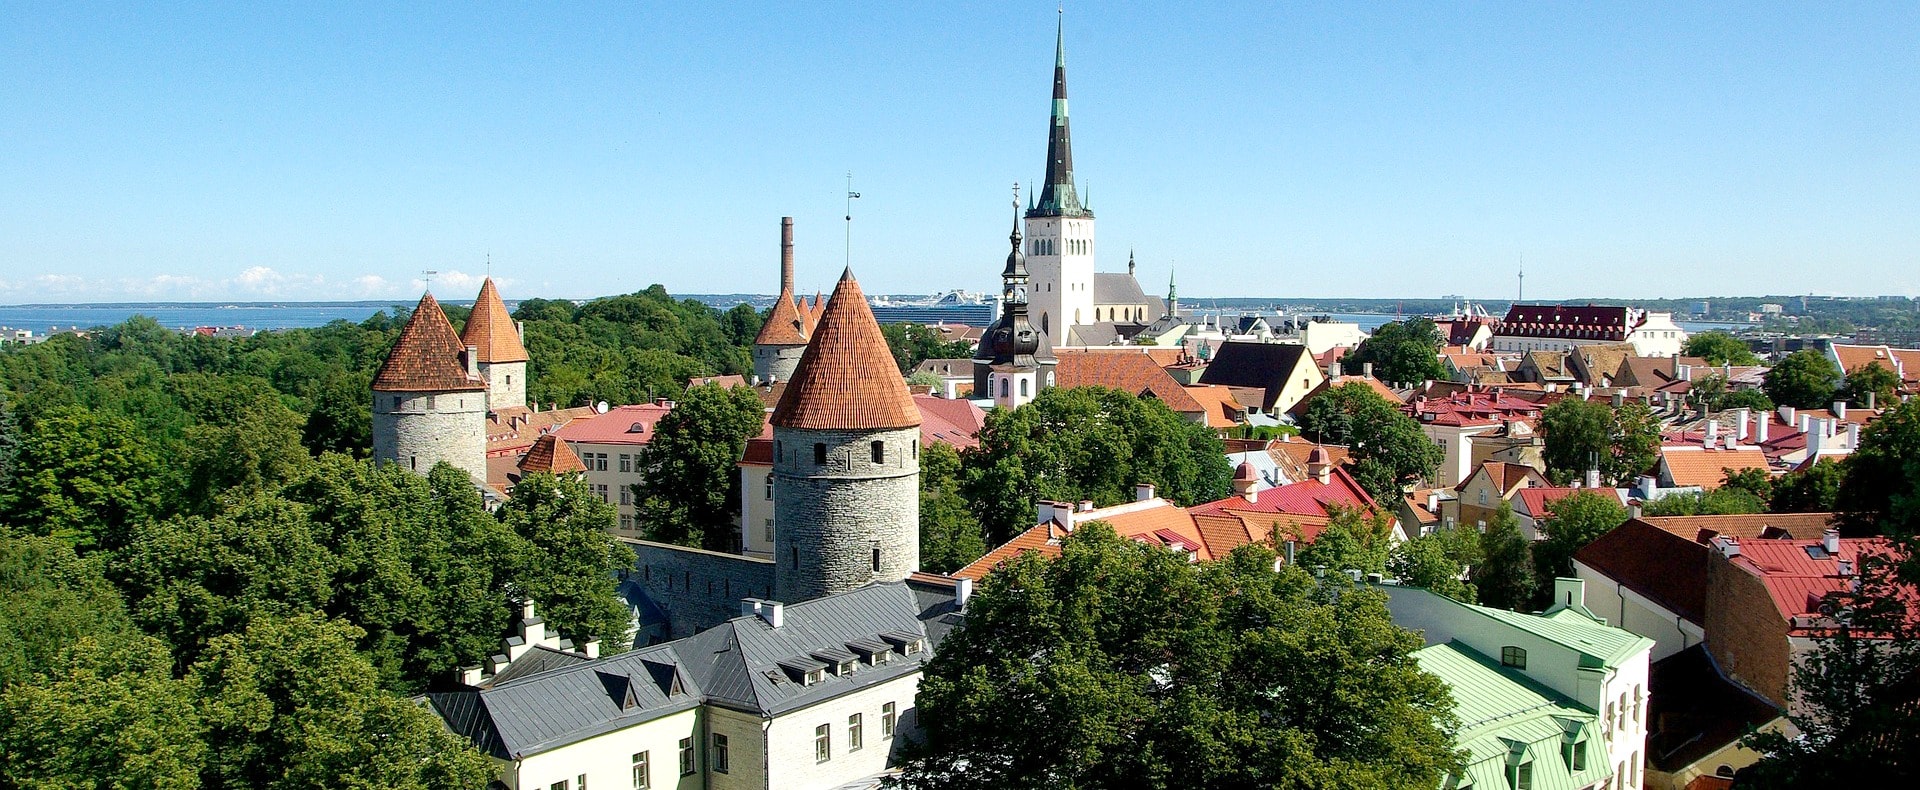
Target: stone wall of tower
<point>776,362</point>
<point>506,384</point>
<point>419,429</point>
<point>834,516</point>
<point>1060,252</point>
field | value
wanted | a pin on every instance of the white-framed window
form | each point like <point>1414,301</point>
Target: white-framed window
<point>769,488</point>
<point>560,785</point>
<point>823,743</point>
<point>718,759</point>
<point>580,783</point>
<point>626,522</point>
<point>626,462</point>
<point>887,718</point>
<point>854,733</point>
<point>768,533</point>
<point>686,757</point>
<point>642,772</point>
<point>626,495</point>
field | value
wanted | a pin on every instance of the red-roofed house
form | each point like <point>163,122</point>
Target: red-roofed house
<point>609,447</point>
<point>1474,425</point>
<point>1532,505</point>
<point>1481,494</point>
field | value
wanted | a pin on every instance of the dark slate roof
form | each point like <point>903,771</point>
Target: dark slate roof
<point>1116,288</point>
<point>1665,568</point>
<point>1695,711</point>
<point>1259,365</point>
<point>536,661</point>
<point>736,664</point>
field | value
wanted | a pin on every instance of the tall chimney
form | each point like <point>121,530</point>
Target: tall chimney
<point>1762,421</point>
<point>1853,436</point>
<point>786,255</point>
<point>1840,409</point>
<point>1741,423</point>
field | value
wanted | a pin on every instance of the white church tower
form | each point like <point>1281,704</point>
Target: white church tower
<point>1059,229</point>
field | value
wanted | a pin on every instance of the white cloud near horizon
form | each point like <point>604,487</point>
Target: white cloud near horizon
<point>252,283</point>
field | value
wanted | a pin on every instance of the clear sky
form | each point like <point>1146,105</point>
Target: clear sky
<point>335,150</point>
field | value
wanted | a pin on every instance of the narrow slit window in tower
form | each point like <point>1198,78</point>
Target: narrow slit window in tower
<point>879,451</point>
<point>819,454</point>
<point>876,560</point>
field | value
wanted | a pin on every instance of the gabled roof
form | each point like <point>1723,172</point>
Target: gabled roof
<point>1308,497</point>
<point>428,357</point>
<point>514,429</point>
<point>1119,289</point>
<point>1798,574</point>
<point>1689,466</point>
<point>1125,369</point>
<point>1702,529</point>
<point>551,455</point>
<point>1222,410</point>
<point>1245,364</point>
<point>1535,501</point>
<point>847,378</point>
<point>1501,709</point>
<point>492,330</point>
<point>1505,476</point>
<point>1139,520</point>
<point>951,421</point>
<point>1665,568</point>
<point>620,425</point>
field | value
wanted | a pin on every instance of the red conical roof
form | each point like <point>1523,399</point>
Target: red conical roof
<point>550,454</point>
<point>785,326</point>
<point>491,328</point>
<point>847,378</point>
<point>427,358</point>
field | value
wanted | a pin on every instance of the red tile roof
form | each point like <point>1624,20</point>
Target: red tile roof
<point>428,357</point>
<point>1306,498</point>
<point>620,425</point>
<point>847,378</point>
<point>1126,369</point>
<point>512,430</point>
<point>550,454</point>
<point>1707,468</point>
<point>1798,574</point>
<point>1535,501</point>
<point>952,422</point>
<point>1151,519</point>
<point>492,330</point>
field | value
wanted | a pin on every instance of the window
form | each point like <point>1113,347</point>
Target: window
<point>767,535</point>
<point>686,756</point>
<point>1483,496</point>
<point>1515,657</point>
<point>626,495</point>
<point>626,462</point>
<point>642,772</point>
<point>560,785</point>
<point>430,400</point>
<point>1005,389</point>
<point>796,556</point>
<point>718,759</point>
<point>879,452</point>
<point>769,489</point>
<point>819,454</point>
<point>876,560</point>
<point>916,449</point>
<point>581,783</point>
<point>887,717</point>
<point>853,733</point>
<point>626,522</point>
<point>396,402</point>
<point>822,743</point>
<point>1523,776</point>
<point>601,490</point>
<point>1023,388</point>
<point>813,676</point>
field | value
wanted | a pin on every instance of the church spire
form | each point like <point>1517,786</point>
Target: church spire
<point>1058,198</point>
<point>1173,294</point>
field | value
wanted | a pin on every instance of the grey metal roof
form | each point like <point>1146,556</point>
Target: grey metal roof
<point>736,664</point>
<point>1118,288</point>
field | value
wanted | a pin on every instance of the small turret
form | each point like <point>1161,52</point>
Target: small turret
<point>429,404</point>
<point>501,354</point>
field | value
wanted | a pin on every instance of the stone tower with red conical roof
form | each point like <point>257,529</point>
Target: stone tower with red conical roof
<point>429,400</point>
<point>783,338</point>
<point>846,466</point>
<point>502,358</point>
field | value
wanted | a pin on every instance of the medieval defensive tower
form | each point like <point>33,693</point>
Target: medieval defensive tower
<point>502,356</point>
<point>429,401</point>
<point>846,468</point>
<point>782,339</point>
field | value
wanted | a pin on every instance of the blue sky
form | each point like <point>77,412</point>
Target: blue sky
<point>325,151</point>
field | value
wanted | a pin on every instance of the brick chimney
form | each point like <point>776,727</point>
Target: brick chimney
<point>786,254</point>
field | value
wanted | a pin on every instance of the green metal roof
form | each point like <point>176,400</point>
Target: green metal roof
<point>1600,645</point>
<point>1507,718</point>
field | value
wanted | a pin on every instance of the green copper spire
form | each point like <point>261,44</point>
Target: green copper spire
<point>1058,197</point>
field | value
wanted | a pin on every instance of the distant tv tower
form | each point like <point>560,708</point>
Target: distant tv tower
<point>1523,279</point>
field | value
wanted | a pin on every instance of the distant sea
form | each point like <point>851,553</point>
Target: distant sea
<point>42,318</point>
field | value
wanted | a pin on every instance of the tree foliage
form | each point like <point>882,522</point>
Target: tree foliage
<point>1813,490</point>
<point>569,560</point>
<point>1389,450</point>
<point>1400,351</point>
<point>1871,382</point>
<point>1803,379</point>
<point>1754,399</point>
<point>1505,576</point>
<point>1719,348</point>
<point>950,532</point>
<point>690,486</point>
<point>1087,443</point>
<point>1625,441</point>
<point>1353,540</point>
<point>1144,670</point>
<point>1572,522</point>
<point>913,344</point>
<point>1439,561</point>
<point>1881,489</point>
<point>1723,501</point>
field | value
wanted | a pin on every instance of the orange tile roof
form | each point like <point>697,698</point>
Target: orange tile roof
<point>1137,520</point>
<point>847,378</point>
<point>491,329</point>
<point>1701,529</point>
<point>427,357</point>
<point>1221,408</point>
<point>512,430</point>
<point>1707,468</point>
<point>786,326</point>
<point>1129,369</point>
<point>728,382</point>
<point>551,455</point>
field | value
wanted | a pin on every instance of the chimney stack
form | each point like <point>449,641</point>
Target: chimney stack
<point>962,590</point>
<point>1816,438</point>
<point>1787,414</point>
<point>1840,409</point>
<point>1143,492</point>
<point>1366,369</point>
<point>1762,422</point>
<point>1333,370</point>
<point>1593,477</point>
<point>774,612</point>
<point>473,361</point>
<point>1713,432</point>
<point>1741,422</point>
<point>1853,436</point>
<point>1728,545</point>
<point>786,255</point>
<point>1830,540</point>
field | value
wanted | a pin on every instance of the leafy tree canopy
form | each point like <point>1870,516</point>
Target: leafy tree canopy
<point>1578,432</point>
<point>1882,478</point>
<point>913,344</point>
<point>1719,348</point>
<point>950,532</point>
<point>1505,576</point>
<point>1871,383</point>
<point>1572,522</point>
<point>1390,451</point>
<point>690,489</point>
<point>1147,671</point>
<point>1400,351</point>
<point>1804,380</point>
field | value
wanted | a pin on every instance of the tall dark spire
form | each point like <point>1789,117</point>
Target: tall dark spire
<point>1058,198</point>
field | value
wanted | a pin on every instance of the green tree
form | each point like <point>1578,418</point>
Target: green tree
<point>1389,450</point>
<point>1753,480</point>
<point>290,704</point>
<point>571,558</point>
<point>913,344</point>
<point>84,477</point>
<point>950,533</point>
<point>1719,348</point>
<point>256,446</point>
<point>1874,383</point>
<point>1746,398</point>
<point>1804,379</point>
<point>1353,539</point>
<point>1148,671</point>
<point>1625,442</point>
<point>51,599</point>
<point>1881,486</point>
<point>690,486</point>
<point>1813,490</point>
<point>342,418</point>
<point>1724,501</point>
<point>1505,578</point>
<point>742,324</point>
<point>107,716</point>
<point>9,443</point>
<point>1401,351</point>
<point>1438,561</point>
<point>1087,443</point>
<point>1572,522</point>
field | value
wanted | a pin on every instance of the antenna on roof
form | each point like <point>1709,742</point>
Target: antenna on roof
<point>489,264</point>
<point>427,274</point>
<point>851,196</point>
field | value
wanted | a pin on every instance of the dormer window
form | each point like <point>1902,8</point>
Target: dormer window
<point>813,677</point>
<point>846,667</point>
<point>1515,657</point>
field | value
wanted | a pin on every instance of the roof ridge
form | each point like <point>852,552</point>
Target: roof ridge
<point>485,325</point>
<point>427,357</point>
<point>847,378</point>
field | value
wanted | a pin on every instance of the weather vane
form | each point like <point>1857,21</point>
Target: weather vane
<point>851,196</point>
<point>428,274</point>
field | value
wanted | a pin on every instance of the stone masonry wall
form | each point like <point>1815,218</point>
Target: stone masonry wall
<point>429,427</point>
<point>776,363</point>
<point>833,517</point>
<point>697,589</point>
<point>506,384</point>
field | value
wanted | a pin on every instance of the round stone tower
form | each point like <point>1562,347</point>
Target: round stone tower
<point>492,332</point>
<point>783,338</point>
<point>429,401</point>
<point>846,467</point>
